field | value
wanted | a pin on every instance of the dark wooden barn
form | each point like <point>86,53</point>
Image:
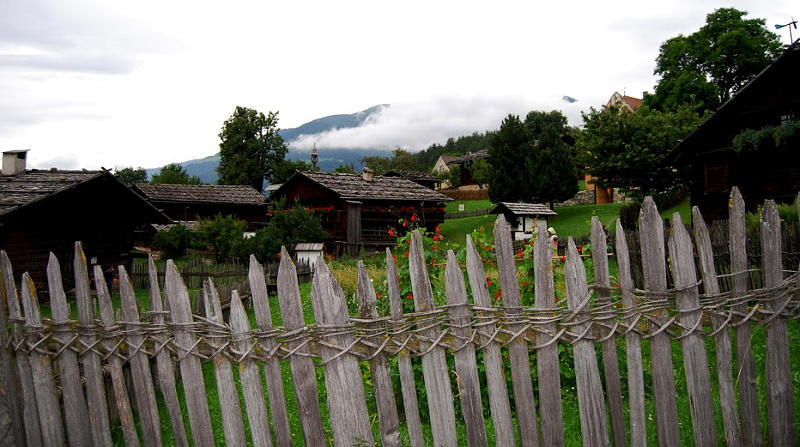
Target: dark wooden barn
<point>713,159</point>
<point>47,211</point>
<point>192,202</point>
<point>357,211</point>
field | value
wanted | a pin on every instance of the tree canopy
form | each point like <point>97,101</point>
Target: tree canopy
<point>175,174</point>
<point>250,149</point>
<point>707,67</point>
<point>628,150</point>
<point>399,160</point>
<point>131,175</point>
<point>287,168</point>
<point>529,160</point>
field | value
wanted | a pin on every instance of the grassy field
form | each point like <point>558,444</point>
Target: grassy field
<point>469,205</point>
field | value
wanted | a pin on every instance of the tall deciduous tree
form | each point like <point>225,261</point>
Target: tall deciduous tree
<point>529,160</point>
<point>285,170</point>
<point>175,174</point>
<point>708,66</point>
<point>250,149</point>
<point>131,175</point>
<point>628,150</point>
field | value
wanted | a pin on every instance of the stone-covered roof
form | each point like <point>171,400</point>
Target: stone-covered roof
<point>32,185</point>
<point>412,175</point>
<point>239,194</point>
<point>469,157</point>
<point>524,209</point>
<point>354,187</point>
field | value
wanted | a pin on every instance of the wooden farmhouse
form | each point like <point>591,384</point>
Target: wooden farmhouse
<point>357,211</point>
<point>193,202</point>
<point>752,141</point>
<point>43,211</point>
<point>523,217</point>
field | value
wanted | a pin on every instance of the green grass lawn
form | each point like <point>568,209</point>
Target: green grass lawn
<point>469,205</point>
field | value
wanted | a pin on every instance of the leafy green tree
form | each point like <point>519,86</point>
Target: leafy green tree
<point>480,171</point>
<point>175,174</point>
<point>287,228</point>
<point>345,169</point>
<point>224,235</point>
<point>173,242</point>
<point>549,164</point>
<point>399,160</point>
<point>707,67</point>
<point>454,176</point>
<point>507,150</point>
<point>629,150</point>
<point>250,149</point>
<point>287,169</point>
<point>131,175</point>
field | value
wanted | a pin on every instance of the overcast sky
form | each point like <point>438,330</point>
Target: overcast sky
<point>89,83</point>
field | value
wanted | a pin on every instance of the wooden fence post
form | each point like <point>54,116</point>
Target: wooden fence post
<point>492,358</point>
<point>651,235</point>
<point>78,431</point>
<point>272,367</point>
<point>252,389</point>
<point>410,404</point>
<point>748,394</point>
<point>466,364</point>
<point>695,358</point>
<point>518,349</point>
<point>378,366</point>
<point>227,393</point>
<point>164,367</point>
<point>140,363</point>
<point>303,374</point>
<point>347,405</point>
<point>587,375</point>
<point>191,371</point>
<point>633,348</point>
<point>722,340</point>
<point>434,365</point>
<point>609,345</point>
<point>780,406</point>
<point>17,377</point>
<point>44,383</point>
<point>90,360</point>
<point>114,359</point>
<point>547,357</point>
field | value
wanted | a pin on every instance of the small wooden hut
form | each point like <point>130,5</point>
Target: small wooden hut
<point>523,217</point>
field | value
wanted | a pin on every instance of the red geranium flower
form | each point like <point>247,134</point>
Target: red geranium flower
<point>410,296</point>
<point>378,295</point>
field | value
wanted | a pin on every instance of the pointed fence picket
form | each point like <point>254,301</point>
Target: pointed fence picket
<point>59,362</point>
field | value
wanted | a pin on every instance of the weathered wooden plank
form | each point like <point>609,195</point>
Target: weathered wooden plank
<point>140,363</point>
<point>78,431</point>
<point>378,366</point>
<point>651,237</point>
<point>633,347</point>
<point>164,367</point>
<point>191,371</point>
<point>466,364</point>
<point>592,409</point>
<point>409,390</point>
<point>609,346</point>
<point>722,341</point>
<point>16,383</point>
<point>695,360</point>
<point>272,367</point>
<point>493,361</point>
<point>90,360</point>
<point>434,365</point>
<point>44,383</point>
<point>228,396</point>
<point>547,357</point>
<point>249,374</point>
<point>347,405</point>
<point>780,404</point>
<point>518,349</point>
<point>748,394</point>
<point>114,362</point>
<point>304,376</point>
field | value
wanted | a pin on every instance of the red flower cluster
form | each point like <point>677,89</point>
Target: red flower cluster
<point>378,295</point>
<point>391,232</point>
<point>410,296</point>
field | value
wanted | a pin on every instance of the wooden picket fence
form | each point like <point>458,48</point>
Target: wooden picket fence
<point>52,371</point>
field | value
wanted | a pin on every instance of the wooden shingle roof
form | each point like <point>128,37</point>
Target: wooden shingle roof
<point>524,209</point>
<point>354,187</point>
<point>481,154</point>
<point>412,175</point>
<point>238,194</point>
<point>32,185</point>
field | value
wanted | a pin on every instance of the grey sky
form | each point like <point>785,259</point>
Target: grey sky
<point>91,83</point>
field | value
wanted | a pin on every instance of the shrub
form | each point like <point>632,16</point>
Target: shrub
<point>173,242</point>
<point>287,228</point>
<point>222,235</point>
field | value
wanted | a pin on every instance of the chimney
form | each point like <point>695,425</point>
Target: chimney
<point>14,161</point>
<point>367,174</point>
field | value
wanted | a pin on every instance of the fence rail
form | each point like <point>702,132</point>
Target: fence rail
<point>38,354</point>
